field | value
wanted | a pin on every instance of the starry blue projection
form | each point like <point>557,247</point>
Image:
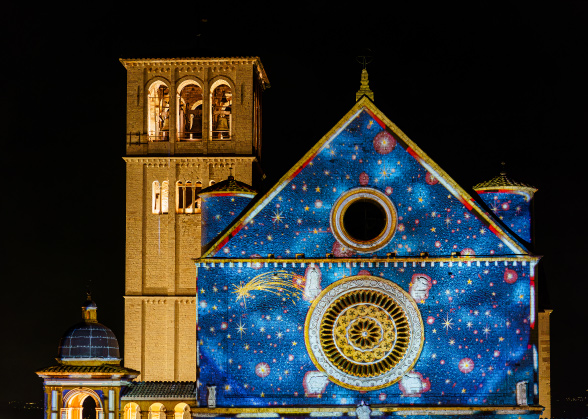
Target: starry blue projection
<point>449,272</point>
<point>476,319</point>
<point>513,209</point>
<point>431,218</point>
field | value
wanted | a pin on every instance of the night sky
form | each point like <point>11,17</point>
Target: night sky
<point>472,86</point>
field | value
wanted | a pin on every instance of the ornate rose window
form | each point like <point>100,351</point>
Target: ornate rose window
<point>364,332</point>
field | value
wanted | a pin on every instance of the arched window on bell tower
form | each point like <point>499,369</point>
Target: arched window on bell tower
<point>189,111</point>
<point>158,110</point>
<point>221,102</point>
<point>188,201</point>
<point>159,197</point>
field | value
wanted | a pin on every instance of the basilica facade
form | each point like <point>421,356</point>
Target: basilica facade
<point>365,282</point>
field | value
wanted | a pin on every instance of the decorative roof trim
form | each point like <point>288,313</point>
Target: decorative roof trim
<point>502,182</point>
<point>370,263</point>
<point>366,104</point>
<point>207,160</point>
<point>81,370</point>
<point>229,186</point>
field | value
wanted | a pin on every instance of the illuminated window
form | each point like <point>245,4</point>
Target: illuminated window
<point>182,411</point>
<point>157,411</point>
<point>221,101</point>
<point>132,411</point>
<point>190,112</point>
<point>159,198</point>
<point>187,197</point>
<point>158,103</point>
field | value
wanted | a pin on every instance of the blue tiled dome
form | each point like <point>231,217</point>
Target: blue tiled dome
<point>88,341</point>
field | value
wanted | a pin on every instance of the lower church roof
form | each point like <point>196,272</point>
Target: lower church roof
<point>160,390</point>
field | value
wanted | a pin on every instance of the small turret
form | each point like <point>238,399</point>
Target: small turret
<point>221,204</point>
<point>510,201</point>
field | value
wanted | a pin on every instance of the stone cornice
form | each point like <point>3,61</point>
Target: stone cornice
<point>163,299</point>
<point>187,161</point>
<point>197,64</point>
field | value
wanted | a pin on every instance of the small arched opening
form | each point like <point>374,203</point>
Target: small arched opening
<point>182,411</point>
<point>157,411</point>
<point>82,403</point>
<point>132,411</point>
<point>158,109</point>
<point>221,103</point>
<point>189,112</point>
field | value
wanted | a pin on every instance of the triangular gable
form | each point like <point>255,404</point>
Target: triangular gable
<point>435,215</point>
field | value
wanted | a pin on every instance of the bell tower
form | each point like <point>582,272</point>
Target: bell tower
<point>190,121</point>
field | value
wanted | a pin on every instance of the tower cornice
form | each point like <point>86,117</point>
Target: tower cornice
<point>199,63</point>
<point>187,161</point>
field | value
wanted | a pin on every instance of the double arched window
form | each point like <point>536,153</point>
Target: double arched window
<point>187,197</point>
<point>189,112</point>
<point>158,115</point>
<point>160,194</point>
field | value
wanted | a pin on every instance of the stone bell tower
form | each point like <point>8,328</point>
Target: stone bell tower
<point>190,121</point>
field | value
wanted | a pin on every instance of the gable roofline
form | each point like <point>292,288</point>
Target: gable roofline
<point>365,103</point>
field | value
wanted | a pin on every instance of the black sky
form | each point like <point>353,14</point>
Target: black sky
<point>471,85</point>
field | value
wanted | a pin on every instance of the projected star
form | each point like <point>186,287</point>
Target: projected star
<point>277,217</point>
<point>447,324</point>
<point>241,328</point>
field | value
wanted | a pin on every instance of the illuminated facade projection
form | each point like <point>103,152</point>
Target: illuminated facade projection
<point>366,276</point>
<point>365,283</point>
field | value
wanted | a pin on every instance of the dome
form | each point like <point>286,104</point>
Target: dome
<point>89,341</point>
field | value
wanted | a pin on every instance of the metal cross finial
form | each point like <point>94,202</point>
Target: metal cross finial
<point>364,60</point>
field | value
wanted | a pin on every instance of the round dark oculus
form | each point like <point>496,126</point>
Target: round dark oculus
<point>364,220</point>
